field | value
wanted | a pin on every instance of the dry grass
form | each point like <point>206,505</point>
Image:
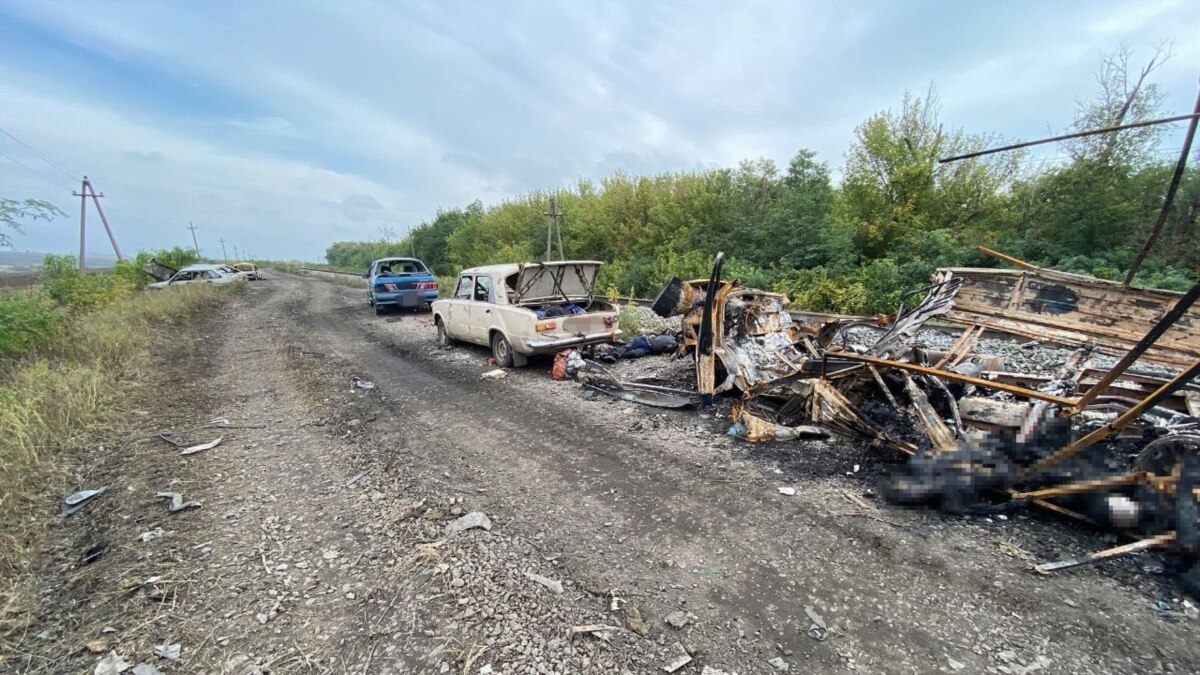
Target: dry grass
<point>51,400</point>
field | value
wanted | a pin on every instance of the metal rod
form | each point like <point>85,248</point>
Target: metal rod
<point>1015,262</point>
<point>1066,137</point>
<point>1084,486</point>
<point>1116,425</point>
<point>1169,198</point>
<point>950,375</point>
<point>1144,544</point>
<point>1164,324</point>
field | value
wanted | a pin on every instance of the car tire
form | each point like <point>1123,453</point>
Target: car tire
<point>378,309</point>
<point>502,350</point>
<point>443,338</point>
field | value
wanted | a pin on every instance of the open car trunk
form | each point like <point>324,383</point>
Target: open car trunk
<point>567,281</point>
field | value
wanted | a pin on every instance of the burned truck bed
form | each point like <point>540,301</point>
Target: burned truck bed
<point>1106,432</point>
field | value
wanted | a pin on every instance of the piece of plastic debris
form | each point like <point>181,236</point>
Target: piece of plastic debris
<point>486,669</point>
<point>363,384</point>
<point>779,664</point>
<point>709,670</point>
<point>78,500</point>
<point>494,374</point>
<point>168,651</point>
<point>112,664</point>
<point>146,669</point>
<point>817,630</point>
<point>473,520</point>
<point>679,661</point>
<point>357,477</point>
<point>554,585</point>
<point>177,504</point>
<point>789,491</point>
<point>202,447</point>
<point>150,535</point>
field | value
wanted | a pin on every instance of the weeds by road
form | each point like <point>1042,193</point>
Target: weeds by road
<point>63,375</point>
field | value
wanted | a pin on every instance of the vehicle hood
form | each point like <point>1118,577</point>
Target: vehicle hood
<point>565,281</point>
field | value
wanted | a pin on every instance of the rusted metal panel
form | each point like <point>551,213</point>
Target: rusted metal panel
<point>1073,310</point>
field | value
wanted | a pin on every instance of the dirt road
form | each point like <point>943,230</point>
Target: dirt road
<point>322,544</point>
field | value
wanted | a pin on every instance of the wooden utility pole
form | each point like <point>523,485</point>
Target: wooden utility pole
<point>195,246</point>
<point>224,255</point>
<point>554,230</point>
<point>87,190</point>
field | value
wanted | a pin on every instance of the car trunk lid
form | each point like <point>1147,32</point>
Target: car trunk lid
<point>572,281</point>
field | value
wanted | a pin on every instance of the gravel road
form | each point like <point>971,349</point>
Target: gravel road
<point>324,543</point>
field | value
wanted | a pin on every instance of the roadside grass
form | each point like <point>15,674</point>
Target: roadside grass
<point>63,368</point>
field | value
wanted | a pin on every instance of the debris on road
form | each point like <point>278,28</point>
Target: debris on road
<point>779,664</point>
<point>175,502</point>
<point>597,630</point>
<point>817,629</point>
<point>553,585</point>
<point>111,664</point>
<point>170,651</point>
<point>976,434</point>
<point>494,374</point>
<point>635,622</point>
<point>363,384</point>
<point>789,491</point>
<point>78,500</point>
<point>150,535</point>
<point>202,446</point>
<point>679,661</point>
<point>472,520</point>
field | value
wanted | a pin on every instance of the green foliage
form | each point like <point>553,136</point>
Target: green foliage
<point>27,320</point>
<point>13,212</point>
<point>858,247</point>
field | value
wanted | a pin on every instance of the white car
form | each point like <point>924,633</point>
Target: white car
<point>200,274</point>
<point>527,308</point>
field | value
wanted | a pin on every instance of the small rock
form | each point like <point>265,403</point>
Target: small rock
<point>146,669</point>
<point>97,646</point>
<point>779,664</point>
<point>677,619</point>
<point>789,491</point>
<point>635,622</point>
<point>473,520</point>
<point>955,665</point>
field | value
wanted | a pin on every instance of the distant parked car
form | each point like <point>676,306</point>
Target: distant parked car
<point>200,274</point>
<point>527,308</point>
<point>400,283</point>
<point>250,269</point>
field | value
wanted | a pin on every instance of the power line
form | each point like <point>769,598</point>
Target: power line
<point>34,171</point>
<point>73,175</point>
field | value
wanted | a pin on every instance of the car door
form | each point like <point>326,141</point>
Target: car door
<point>370,276</point>
<point>480,309</point>
<point>457,311</point>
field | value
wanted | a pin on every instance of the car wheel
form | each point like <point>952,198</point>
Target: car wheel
<point>443,338</point>
<point>378,309</point>
<point>502,351</point>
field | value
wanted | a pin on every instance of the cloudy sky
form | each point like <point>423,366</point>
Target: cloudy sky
<point>282,127</point>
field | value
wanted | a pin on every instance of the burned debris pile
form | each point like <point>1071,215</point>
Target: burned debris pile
<point>1105,431</point>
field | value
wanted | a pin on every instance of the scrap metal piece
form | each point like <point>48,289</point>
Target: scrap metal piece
<point>938,301</point>
<point>202,446</point>
<point>78,500</point>
<point>175,502</point>
<point>755,429</point>
<point>833,411</point>
<point>939,434</point>
<point>1107,554</point>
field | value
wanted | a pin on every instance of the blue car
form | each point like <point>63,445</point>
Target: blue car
<point>402,283</point>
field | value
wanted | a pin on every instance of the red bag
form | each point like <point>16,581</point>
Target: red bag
<point>559,371</point>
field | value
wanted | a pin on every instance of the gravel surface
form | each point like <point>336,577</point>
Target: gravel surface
<point>325,539</point>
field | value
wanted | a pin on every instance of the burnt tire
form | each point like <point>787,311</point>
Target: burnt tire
<point>502,350</point>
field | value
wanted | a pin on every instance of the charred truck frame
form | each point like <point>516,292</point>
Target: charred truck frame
<point>1112,446</point>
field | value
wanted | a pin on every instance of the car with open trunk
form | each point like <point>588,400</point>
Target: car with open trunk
<point>522,309</point>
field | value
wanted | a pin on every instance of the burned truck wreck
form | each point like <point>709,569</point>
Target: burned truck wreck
<point>1105,430</point>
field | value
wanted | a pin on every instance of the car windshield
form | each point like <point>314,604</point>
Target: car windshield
<point>402,267</point>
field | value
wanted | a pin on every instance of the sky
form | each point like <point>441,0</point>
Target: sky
<point>283,127</point>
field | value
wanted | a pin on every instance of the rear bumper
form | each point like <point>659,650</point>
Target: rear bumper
<point>537,346</point>
<point>404,298</point>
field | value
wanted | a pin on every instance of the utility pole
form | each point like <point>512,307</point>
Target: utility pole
<point>195,246</point>
<point>87,190</point>
<point>224,255</point>
<point>554,229</point>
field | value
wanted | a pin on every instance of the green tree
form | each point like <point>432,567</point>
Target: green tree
<point>12,212</point>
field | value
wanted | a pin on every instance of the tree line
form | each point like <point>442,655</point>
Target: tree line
<point>857,245</point>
